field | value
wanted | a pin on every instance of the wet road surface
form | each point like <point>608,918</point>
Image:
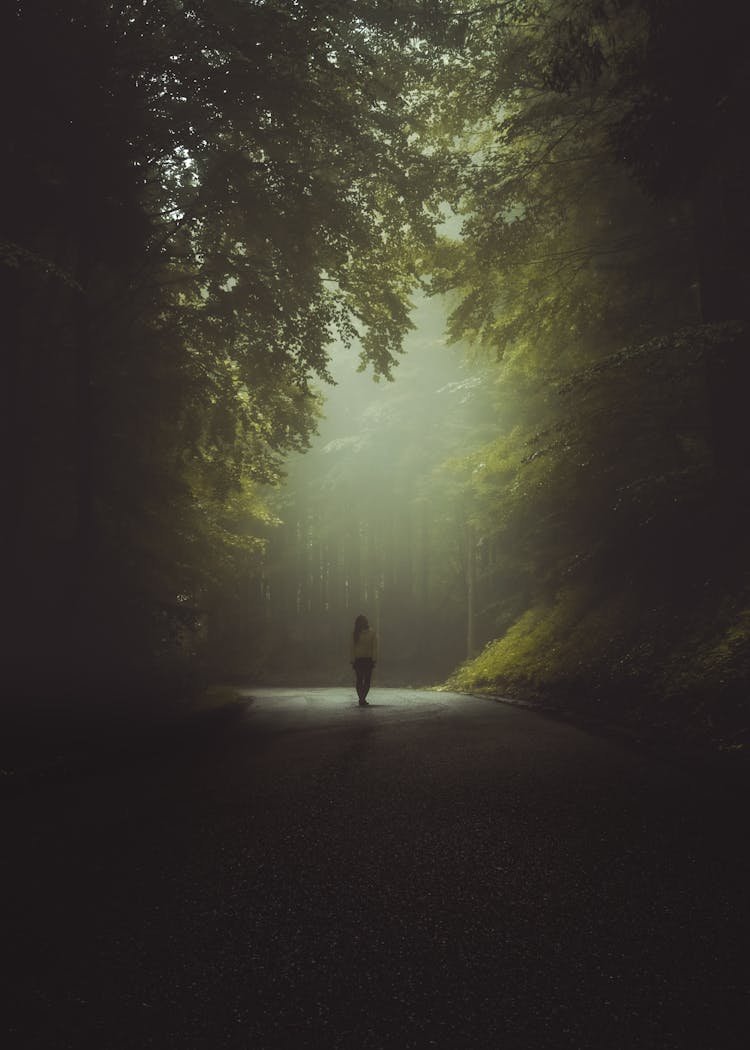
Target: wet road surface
<point>434,871</point>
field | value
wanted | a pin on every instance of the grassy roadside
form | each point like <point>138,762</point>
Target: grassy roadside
<point>649,668</point>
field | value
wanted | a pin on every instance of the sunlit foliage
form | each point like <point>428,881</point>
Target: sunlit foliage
<point>588,269</point>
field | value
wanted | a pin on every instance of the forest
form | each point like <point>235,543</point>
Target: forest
<point>427,309</point>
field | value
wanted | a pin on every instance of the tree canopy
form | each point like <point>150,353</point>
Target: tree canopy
<point>599,267</point>
<point>201,196</point>
<point>204,198</point>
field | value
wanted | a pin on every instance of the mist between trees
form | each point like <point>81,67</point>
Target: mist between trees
<point>375,517</point>
<point>208,203</point>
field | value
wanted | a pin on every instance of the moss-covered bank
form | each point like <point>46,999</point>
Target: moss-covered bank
<point>659,668</point>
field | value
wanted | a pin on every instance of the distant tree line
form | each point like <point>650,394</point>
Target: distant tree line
<point>372,520</point>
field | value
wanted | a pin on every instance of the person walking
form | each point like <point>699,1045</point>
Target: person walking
<point>364,653</point>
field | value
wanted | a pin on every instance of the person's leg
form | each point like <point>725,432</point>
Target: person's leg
<point>359,671</point>
<point>366,678</point>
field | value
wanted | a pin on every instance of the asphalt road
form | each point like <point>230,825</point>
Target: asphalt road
<point>434,871</point>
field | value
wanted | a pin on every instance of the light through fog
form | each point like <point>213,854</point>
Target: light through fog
<point>374,517</point>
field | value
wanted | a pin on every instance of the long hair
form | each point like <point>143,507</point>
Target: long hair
<point>360,624</point>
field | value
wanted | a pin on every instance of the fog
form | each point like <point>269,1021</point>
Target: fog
<point>373,516</point>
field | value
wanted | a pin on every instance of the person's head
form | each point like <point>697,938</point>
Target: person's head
<point>360,624</point>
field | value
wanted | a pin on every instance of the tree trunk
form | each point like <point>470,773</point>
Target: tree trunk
<point>471,583</point>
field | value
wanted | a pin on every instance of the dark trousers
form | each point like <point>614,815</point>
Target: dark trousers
<point>363,666</point>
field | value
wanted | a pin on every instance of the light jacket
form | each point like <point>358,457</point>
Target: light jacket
<point>367,645</point>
